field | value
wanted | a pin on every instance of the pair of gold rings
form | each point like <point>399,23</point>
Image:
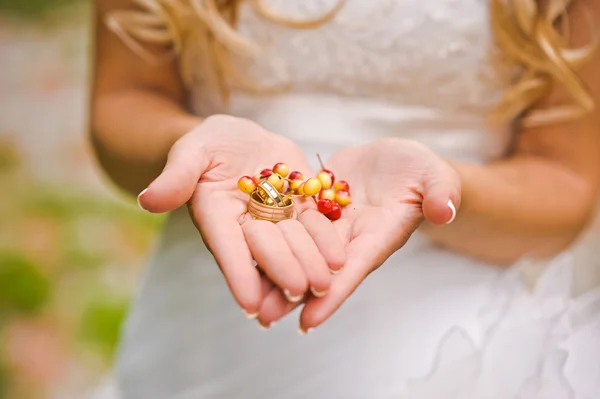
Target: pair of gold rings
<point>267,203</point>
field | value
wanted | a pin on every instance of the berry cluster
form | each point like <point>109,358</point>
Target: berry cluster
<point>332,196</point>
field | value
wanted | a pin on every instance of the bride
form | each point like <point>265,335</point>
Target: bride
<point>467,131</point>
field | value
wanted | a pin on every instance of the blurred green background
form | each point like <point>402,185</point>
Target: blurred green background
<point>71,247</point>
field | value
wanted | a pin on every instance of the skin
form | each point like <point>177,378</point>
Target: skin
<point>535,202</point>
<point>182,159</point>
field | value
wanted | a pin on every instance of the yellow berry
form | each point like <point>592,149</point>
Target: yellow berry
<point>343,198</point>
<point>326,179</point>
<point>327,194</point>
<point>281,169</point>
<point>341,185</point>
<point>312,186</point>
<point>295,184</point>
<point>247,184</point>
<point>277,181</point>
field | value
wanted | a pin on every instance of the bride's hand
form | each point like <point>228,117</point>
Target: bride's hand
<point>203,169</point>
<point>395,185</point>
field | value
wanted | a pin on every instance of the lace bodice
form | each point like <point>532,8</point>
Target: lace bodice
<point>434,53</point>
<point>409,66</point>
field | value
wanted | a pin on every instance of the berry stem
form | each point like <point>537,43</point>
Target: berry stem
<point>314,199</point>
<point>320,161</point>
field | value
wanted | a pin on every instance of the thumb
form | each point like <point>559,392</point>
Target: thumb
<point>441,195</point>
<point>187,161</point>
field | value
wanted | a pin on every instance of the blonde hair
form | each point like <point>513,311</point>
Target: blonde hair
<point>532,36</point>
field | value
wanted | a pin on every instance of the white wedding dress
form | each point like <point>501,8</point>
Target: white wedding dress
<point>429,324</point>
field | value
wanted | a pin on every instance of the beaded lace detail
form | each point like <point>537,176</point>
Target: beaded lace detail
<point>435,53</point>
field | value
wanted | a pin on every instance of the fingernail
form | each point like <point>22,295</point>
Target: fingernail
<point>338,271</point>
<point>263,327</point>
<point>317,293</point>
<point>453,209</point>
<point>250,316</point>
<point>138,199</point>
<point>291,298</point>
<point>301,331</point>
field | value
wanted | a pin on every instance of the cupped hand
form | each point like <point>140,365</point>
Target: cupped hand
<point>203,169</point>
<point>395,185</point>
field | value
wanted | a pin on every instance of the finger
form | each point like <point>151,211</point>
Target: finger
<point>441,195</point>
<point>274,307</point>
<point>186,163</point>
<point>377,235</point>
<point>273,254</point>
<point>361,257</point>
<point>216,219</point>
<point>304,249</point>
<point>343,227</point>
<point>326,237</point>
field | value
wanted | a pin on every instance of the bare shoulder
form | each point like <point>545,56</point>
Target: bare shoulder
<point>119,67</point>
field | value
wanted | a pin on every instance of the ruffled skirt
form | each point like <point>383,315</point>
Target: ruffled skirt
<point>428,324</point>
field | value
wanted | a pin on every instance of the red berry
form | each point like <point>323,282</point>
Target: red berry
<point>295,175</point>
<point>266,172</point>
<point>336,212</point>
<point>325,206</point>
<point>341,185</point>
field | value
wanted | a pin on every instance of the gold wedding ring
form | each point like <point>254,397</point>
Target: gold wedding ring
<point>266,203</point>
<point>269,194</point>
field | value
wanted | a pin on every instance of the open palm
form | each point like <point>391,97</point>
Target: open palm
<point>395,184</point>
<point>203,169</point>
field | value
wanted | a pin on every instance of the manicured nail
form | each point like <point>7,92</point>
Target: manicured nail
<point>453,209</point>
<point>263,327</point>
<point>291,298</point>
<point>138,199</point>
<point>301,331</point>
<point>250,316</point>
<point>317,293</point>
<point>338,271</point>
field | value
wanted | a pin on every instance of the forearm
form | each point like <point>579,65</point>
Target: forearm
<point>132,132</point>
<point>521,206</point>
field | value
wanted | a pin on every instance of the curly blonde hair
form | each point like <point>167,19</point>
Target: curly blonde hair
<point>532,35</point>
